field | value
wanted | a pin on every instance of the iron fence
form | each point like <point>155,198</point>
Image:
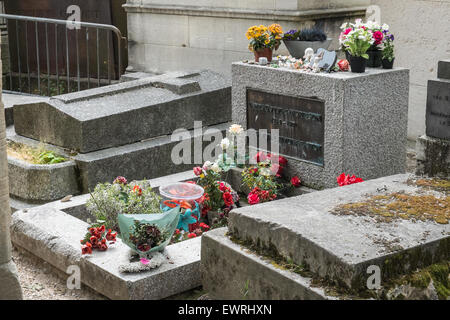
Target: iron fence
<point>52,57</point>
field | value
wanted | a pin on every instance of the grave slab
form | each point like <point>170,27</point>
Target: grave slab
<point>341,247</point>
<point>329,122</point>
<point>54,236</point>
<point>127,112</point>
<point>222,261</point>
<point>12,99</point>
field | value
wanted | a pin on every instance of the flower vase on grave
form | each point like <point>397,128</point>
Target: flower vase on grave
<point>387,64</point>
<point>265,52</point>
<point>357,64</point>
<point>374,58</point>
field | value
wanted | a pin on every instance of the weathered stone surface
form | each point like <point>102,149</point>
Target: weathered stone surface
<point>444,69</point>
<point>42,182</point>
<point>54,236</point>
<point>11,99</point>
<point>10,288</point>
<point>141,160</point>
<point>232,272</point>
<point>438,109</point>
<point>341,247</point>
<point>433,156</point>
<point>127,112</point>
<point>365,134</point>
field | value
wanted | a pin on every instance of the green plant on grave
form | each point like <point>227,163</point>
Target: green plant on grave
<point>388,47</point>
<point>108,200</point>
<point>49,157</point>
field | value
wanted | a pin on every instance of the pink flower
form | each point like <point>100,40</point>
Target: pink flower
<point>145,261</point>
<point>261,156</point>
<point>347,31</point>
<point>253,198</point>
<point>120,180</point>
<point>378,37</point>
<point>198,171</point>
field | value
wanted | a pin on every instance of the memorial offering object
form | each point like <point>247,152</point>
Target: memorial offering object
<point>148,233</point>
<point>297,41</point>
<point>96,238</point>
<point>263,40</point>
<point>356,39</point>
<point>185,196</point>
<point>388,57</point>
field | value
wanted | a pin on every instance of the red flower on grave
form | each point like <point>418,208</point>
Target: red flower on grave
<point>138,190</point>
<point>223,187</point>
<point>343,65</point>
<point>295,181</point>
<point>204,227</point>
<point>253,198</point>
<point>192,235</point>
<point>86,249</point>
<point>344,180</point>
<point>228,199</point>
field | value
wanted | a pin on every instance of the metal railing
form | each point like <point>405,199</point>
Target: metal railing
<point>72,59</point>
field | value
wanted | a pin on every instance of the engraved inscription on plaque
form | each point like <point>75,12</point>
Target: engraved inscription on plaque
<point>438,109</point>
<point>300,122</point>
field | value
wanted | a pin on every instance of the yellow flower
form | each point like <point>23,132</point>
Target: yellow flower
<point>202,176</point>
<point>275,29</point>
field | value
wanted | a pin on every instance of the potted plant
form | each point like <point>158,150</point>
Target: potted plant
<point>298,41</point>
<point>356,40</point>
<point>388,56</point>
<point>378,35</point>
<point>263,40</point>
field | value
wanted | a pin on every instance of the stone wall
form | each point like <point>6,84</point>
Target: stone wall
<point>422,31</point>
<point>169,35</point>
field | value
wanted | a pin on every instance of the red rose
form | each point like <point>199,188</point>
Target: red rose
<point>198,171</point>
<point>204,226</point>
<point>223,187</point>
<point>344,180</point>
<point>343,65</point>
<point>347,31</point>
<point>192,235</point>
<point>295,181</point>
<point>177,231</point>
<point>253,198</point>
<point>228,199</point>
<point>111,236</point>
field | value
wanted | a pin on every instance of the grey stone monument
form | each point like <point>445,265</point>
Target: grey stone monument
<point>328,123</point>
<point>433,148</point>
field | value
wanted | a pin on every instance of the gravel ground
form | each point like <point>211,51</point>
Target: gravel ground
<point>41,281</point>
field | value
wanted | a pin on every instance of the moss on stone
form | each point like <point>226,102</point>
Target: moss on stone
<point>400,205</point>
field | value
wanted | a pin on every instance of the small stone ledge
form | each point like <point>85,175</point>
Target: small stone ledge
<point>234,13</point>
<point>43,182</point>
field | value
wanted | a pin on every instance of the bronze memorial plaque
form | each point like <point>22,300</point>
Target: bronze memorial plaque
<point>300,122</point>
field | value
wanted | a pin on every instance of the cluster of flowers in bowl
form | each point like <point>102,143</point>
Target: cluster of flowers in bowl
<point>361,41</point>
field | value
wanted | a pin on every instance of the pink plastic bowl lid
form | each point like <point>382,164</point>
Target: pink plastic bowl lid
<point>181,191</point>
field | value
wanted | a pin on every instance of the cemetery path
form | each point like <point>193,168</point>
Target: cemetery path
<point>42,281</point>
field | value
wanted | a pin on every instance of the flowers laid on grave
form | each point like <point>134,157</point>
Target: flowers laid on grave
<point>263,40</point>
<point>356,39</point>
<point>343,65</point>
<point>97,238</point>
<point>196,230</point>
<point>218,196</point>
<point>344,180</point>
<point>387,57</point>
<point>265,180</point>
<point>108,200</point>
